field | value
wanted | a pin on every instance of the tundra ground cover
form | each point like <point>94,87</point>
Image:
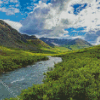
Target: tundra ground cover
<point>11,59</point>
<point>77,77</point>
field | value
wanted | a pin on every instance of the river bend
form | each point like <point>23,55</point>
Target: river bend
<point>11,83</point>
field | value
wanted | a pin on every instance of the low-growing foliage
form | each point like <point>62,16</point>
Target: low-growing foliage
<point>77,77</point>
<point>11,59</point>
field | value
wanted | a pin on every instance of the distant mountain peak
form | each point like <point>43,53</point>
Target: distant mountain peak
<point>66,42</point>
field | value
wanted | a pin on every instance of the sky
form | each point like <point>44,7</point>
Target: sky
<point>68,19</point>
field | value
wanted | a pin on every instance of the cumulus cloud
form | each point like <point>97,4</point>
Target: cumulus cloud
<point>34,23</point>
<point>1,2</point>
<point>9,11</point>
<point>97,41</point>
<point>81,37</point>
<point>44,19</point>
<point>93,37</point>
<point>51,19</point>
<point>14,1</point>
<point>15,25</point>
<point>10,7</point>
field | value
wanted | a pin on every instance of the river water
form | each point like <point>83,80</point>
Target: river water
<point>11,83</point>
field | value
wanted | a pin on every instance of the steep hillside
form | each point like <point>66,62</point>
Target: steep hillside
<point>10,37</point>
<point>34,41</point>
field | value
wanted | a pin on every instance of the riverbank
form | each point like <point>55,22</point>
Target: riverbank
<point>77,77</point>
<point>13,59</point>
<point>24,78</point>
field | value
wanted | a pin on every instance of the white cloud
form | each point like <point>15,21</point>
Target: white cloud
<point>78,37</point>
<point>17,5</point>
<point>3,9</point>
<point>9,11</point>
<point>44,20</point>
<point>51,19</point>
<point>5,1</point>
<point>15,25</point>
<point>1,2</point>
<point>14,1</point>
<point>97,41</point>
<point>89,17</point>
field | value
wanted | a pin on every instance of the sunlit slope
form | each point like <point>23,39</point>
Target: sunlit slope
<point>77,44</point>
<point>11,59</point>
<point>77,77</point>
<point>32,40</point>
<point>54,50</point>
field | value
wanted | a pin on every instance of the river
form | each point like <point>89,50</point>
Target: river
<point>11,83</point>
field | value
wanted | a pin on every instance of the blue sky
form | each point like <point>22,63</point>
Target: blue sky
<point>54,18</point>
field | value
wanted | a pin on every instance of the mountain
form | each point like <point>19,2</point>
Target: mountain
<point>79,42</point>
<point>69,43</point>
<point>10,37</point>
<point>55,41</point>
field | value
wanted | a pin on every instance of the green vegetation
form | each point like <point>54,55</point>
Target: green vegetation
<point>54,50</point>
<point>76,47</point>
<point>71,44</point>
<point>10,37</point>
<point>77,77</point>
<point>11,59</point>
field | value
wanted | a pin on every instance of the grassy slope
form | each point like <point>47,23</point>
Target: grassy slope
<point>73,44</point>
<point>77,44</point>
<point>54,50</point>
<point>10,37</point>
<point>11,59</point>
<point>76,47</point>
<point>76,78</point>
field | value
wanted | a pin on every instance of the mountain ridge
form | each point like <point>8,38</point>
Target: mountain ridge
<point>10,37</point>
<point>69,43</point>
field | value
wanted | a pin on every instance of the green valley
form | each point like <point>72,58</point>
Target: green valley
<point>71,44</point>
<point>11,59</point>
<point>49,49</point>
<point>77,77</point>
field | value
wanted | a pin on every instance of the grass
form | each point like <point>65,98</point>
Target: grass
<point>77,77</point>
<point>11,59</point>
<point>76,47</point>
<point>54,50</point>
